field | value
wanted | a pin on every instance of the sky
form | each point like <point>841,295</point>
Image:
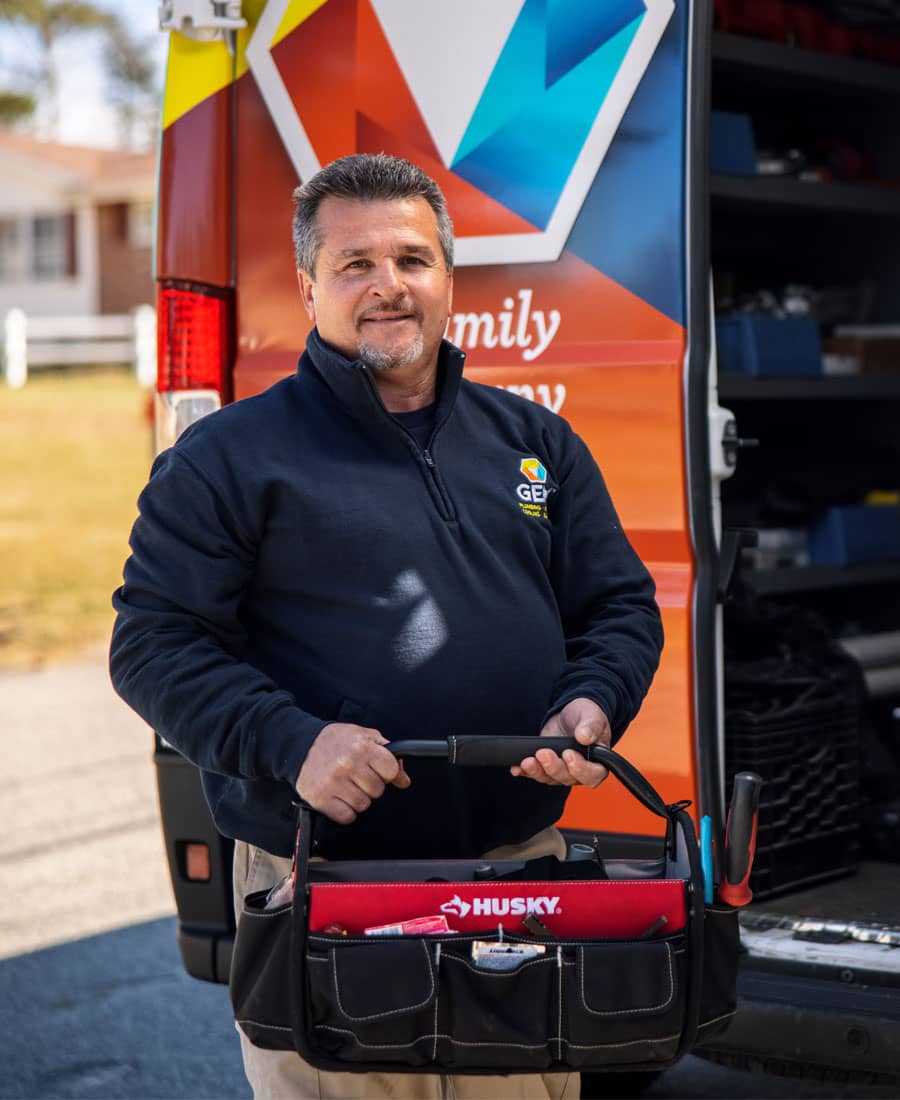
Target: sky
<point>85,116</point>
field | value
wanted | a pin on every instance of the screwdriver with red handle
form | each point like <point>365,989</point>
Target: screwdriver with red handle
<point>740,839</point>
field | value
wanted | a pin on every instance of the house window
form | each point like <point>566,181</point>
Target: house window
<point>140,224</point>
<point>53,246</point>
<point>10,251</point>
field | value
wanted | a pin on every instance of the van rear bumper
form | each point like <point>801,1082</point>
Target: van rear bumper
<point>206,953</point>
<point>835,1025</point>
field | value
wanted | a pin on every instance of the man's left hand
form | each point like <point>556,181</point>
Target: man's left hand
<point>586,722</point>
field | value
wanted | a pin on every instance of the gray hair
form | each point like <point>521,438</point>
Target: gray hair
<point>369,177</point>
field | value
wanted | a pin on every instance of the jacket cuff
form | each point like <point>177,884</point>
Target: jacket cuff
<point>283,740</point>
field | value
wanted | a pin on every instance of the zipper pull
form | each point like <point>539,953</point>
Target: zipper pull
<point>429,461</point>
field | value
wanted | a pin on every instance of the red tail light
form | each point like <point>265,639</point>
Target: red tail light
<point>193,338</point>
<point>194,326</point>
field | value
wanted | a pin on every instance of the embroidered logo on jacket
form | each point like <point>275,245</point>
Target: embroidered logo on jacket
<point>534,492</point>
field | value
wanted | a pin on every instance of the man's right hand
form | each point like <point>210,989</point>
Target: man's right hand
<point>346,769</point>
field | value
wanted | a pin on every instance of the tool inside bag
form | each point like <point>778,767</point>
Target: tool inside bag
<point>475,966</point>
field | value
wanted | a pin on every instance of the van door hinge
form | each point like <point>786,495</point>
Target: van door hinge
<point>204,20</point>
<point>732,442</point>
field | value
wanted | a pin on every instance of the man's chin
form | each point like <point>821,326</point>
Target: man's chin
<point>391,358</point>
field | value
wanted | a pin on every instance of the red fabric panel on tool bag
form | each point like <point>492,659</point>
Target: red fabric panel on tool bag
<point>614,909</point>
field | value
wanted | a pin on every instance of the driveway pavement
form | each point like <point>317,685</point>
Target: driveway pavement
<point>80,845</point>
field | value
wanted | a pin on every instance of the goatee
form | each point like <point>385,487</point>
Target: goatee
<point>378,359</point>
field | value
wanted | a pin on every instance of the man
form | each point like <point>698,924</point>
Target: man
<point>343,561</point>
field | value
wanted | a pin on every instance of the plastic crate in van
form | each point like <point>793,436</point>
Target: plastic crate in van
<point>755,343</point>
<point>802,737</point>
<point>859,533</point>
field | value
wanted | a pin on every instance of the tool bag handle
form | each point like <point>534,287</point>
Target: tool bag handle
<point>474,750</point>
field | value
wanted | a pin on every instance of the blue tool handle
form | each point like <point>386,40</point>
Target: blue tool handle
<point>706,858</point>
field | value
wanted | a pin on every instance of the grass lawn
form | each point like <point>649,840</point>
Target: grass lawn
<point>75,452</point>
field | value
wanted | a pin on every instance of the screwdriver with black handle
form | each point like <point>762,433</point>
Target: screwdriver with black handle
<point>740,839</point>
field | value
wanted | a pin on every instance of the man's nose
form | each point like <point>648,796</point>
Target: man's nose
<point>388,279</point>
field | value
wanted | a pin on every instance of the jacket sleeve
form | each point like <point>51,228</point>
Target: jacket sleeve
<point>606,599</point>
<point>175,656</point>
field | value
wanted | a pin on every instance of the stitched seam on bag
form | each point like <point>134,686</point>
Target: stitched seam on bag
<point>437,997</point>
<point>559,970</point>
<point>498,973</point>
<point>627,1011</point>
<point>474,1043</point>
<point>718,1019</point>
<point>629,1043</point>
<point>271,1027</point>
<point>393,1011</point>
<point>418,1039</point>
<point>245,912</point>
<point>372,1046</point>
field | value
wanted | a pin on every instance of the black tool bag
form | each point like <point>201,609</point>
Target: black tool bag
<point>606,964</point>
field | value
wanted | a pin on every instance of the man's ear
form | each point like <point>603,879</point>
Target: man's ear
<point>307,295</point>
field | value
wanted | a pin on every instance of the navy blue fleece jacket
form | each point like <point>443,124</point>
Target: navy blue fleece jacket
<point>299,560</point>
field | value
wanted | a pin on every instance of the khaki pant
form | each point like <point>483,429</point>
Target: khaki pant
<point>281,1075</point>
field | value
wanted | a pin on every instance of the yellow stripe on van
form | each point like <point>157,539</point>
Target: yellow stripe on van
<point>295,13</point>
<point>197,70</point>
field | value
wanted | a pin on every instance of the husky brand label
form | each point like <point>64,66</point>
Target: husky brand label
<point>501,907</point>
<point>606,908</point>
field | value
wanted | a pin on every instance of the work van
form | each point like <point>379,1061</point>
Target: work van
<point>635,188</point>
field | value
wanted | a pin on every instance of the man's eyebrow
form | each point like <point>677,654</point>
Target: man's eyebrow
<point>415,249</point>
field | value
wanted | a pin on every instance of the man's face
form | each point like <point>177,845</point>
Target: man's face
<point>381,291</point>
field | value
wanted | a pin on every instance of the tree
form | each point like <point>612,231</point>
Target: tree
<point>131,78</point>
<point>52,20</point>
<point>15,107</point>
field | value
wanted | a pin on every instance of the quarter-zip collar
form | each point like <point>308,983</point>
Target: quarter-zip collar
<point>352,384</point>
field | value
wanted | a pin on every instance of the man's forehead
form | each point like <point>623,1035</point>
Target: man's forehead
<point>359,219</point>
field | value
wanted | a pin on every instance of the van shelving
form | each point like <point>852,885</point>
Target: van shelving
<point>877,385</point>
<point>789,67</point>
<point>791,579</point>
<point>803,196</point>
<point>768,232</point>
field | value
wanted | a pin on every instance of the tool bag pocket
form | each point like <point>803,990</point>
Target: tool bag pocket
<point>721,951</point>
<point>260,960</point>
<point>621,1002</point>
<point>496,1020</point>
<point>373,1001</point>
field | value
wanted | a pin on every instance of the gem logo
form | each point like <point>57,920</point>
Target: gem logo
<point>534,470</point>
<point>534,492</point>
<point>456,907</point>
<point>514,136</point>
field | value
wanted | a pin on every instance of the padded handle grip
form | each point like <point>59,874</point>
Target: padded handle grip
<point>496,751</point>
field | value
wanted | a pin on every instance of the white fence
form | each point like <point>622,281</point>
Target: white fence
<point>31,342</point>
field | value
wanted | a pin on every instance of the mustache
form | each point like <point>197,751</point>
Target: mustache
<point>399,305</point>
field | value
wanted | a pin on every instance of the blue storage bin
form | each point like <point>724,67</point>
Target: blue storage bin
<point>732,149</point>
<point>755,343</point>
<point>865,532</point>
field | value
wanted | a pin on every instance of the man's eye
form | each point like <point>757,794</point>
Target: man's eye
<point>358,264</point>
<point>412,260</point>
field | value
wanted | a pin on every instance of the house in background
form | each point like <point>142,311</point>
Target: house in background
<point>76,228</point>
